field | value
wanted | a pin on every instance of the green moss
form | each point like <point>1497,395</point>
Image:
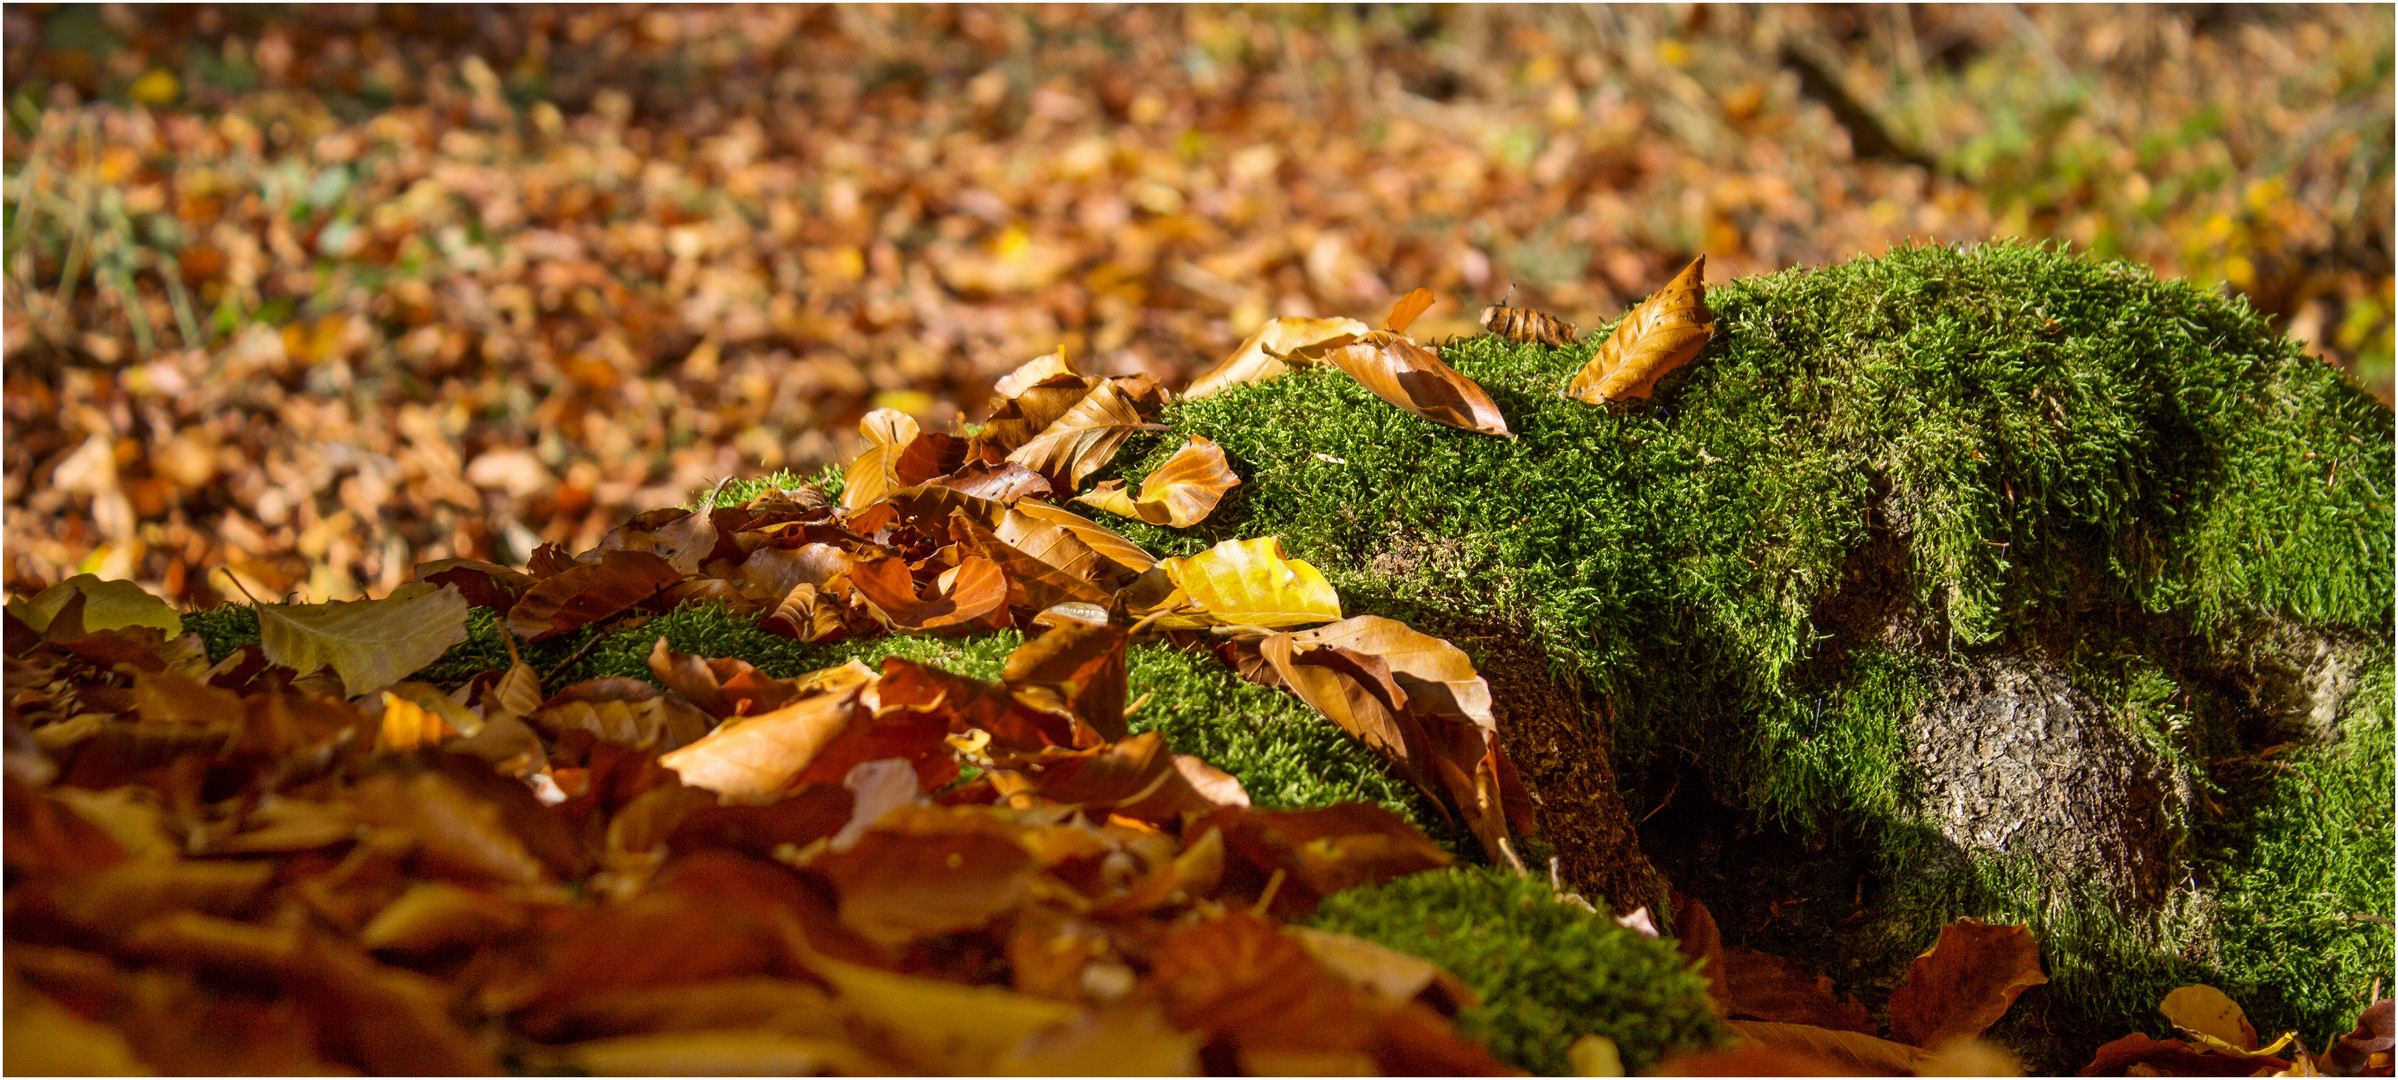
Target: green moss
<point>223,628</point>
<point>2023,449</point>
<point>1548,972</point>
<point>739,490</point>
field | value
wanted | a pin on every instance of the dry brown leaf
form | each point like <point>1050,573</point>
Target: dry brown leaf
<point>1529,326</point>
<point>1032,372</point>
<point>1246,583</point>
<point>436,913</point>
<point>582,595</point>
<point>896,887</point>
<point>1964,982</point>
<point>759,757</point>
<point>1098,538</point>
<point>1865,1053</point>
<point>1701,944</point>
<point>1033,582</point>
<point>723,687</point>
<point>1402,371</point>
<point>108,605</point>
<point>1439,678</point>
<point>874,472</point>
<point>1180,494</point>
<point>1405,309</point>
<point>973,594</point>
<point>1269,352</point>
<point>1003,481</point>
<point>1084,664</point>
<point>1767,987</point>
<point>408,725</point>
<point>1016,418</point>
<point>622,712</point>
<point>1661,335</point>
<point>371,644</point>
<point>458,834</point>
<point>1081,441</point>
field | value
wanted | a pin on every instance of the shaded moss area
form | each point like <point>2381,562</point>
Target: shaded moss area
<point>1879,474</point>
<point>1548,972</point>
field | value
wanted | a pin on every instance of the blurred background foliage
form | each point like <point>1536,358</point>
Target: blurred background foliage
<point>316,292</point>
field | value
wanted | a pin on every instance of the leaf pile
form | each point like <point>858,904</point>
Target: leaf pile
<point>310,295</point>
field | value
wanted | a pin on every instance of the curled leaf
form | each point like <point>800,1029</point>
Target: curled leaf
<point>1180,494</point>
<point>1402,371</point>
<point>1247,583</point>
<point>1081,441</point>
<point>974,591</point>
<point>1105,542</point>
<point>1269,352</point>
<point>371,644</point>
<point>1664,333</point>
<point>874,471</point>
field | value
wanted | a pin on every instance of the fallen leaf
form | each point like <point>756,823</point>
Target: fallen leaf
<point>623,712</point>
<point>1964,982</point>
<point>1661,335</point>
<point>1081,441</point>
<point>1244,980</point>
<point>1855,1050</point>
<point>1101,540</point>
<point>2173,1057</point>
<point>1529,326</point>
<point>939,1026</point>
<point>1701,944</point>
<point>408,725</point>
<point>1595,1055</point>
<point>1405,373</point>
<point>1018,417</point>
<point>458,835</point>
<point>1137,777</point>
<point>1767,987</point>
<point>2206,1011</point>
<point>874,473</point>
<point>1268,352</point>
<point>107,605</point>
<point>1003,481</point>
<point>2372,1035</point>
<point>760,756</point>
<point>721,1053</point>
<point>1439,678</point>
<point>974,594</point>
<point>371,644</point>
<point>1405,309</point>
<point>723,687</point>
<point>1034,582</point>
<point>1030,373</point>
<point>486,585</point>
<point>1084,664</point>
<point>1247,583</point>
<point>1180,494</point>
<point>896,888</point>
<point>581,595</point>
<point>436,913</point>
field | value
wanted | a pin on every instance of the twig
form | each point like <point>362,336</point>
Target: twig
<point>578,655</point>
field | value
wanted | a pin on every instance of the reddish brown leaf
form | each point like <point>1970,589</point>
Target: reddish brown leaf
<point>1241,979</point>
<point>1661,335</point>
<point>1003,481</point>
<point>975,594</point>
<point>1767,987</point>
<point>486,585</point>
<point>2173,1057</point>
<point>761,756</point>
<point>722,687</point>
<point>897,887</point>
<point>1701,944</point>
<point>1084,664</point>
<point>583,595</point>
<point>1964,982</point>
<point>1034,583</point>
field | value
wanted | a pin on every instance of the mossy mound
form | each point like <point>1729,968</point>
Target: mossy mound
<point>1824,576</point>
<point>1986,581</point>
<point>1548,972</point>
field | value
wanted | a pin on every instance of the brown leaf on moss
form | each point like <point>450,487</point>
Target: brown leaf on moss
<point>1033,582</point>
<point>1083,439</point>
<point>1099,539</point>
<point>724,687</point>
<point>1002,481</point>
<point>582,595</point>
<point>1320,852</point>
<point>1964,982</point>
<point>369,643</point>
<point>1529,326</point>
<point>1137,777</point>
<point>1404,372</point>
<point>1180,494</point>
<point>1269,352</point>
<point>971,594</point>
<point>763,755</point>
<point>874,472</point>
<point>1658,337</point>
<point>2173,1057</point>
<point>1242,979</point>
<point>487,585</point>
<point>1084,664</point>
<point>1701,944</point>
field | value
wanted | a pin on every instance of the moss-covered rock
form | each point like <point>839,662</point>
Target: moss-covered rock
<point>1987,581</point>
<point>1548,971</point>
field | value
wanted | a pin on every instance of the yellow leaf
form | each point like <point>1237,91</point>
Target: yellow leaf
<point>1180,494</point>
<point>1595,1055</point>
<point>938,1025</point>
<point>156,87</point>
<point>371,644</point>
<point>1269,352</point>
<point>408,725</point>
<point>2206,1011</point>
<point>1665,332</point>
<point>107,605</point>
<point>870,475</point>
<point>1248,583</point>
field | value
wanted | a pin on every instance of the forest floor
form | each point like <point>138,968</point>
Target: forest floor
<point>309,298</point>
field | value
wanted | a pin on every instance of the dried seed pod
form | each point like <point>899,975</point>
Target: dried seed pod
<point>1526,325</point>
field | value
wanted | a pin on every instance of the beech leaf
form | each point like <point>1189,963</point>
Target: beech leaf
<point>874,472</point>
<point>1081,441</point>
<point>107,605</point>
<point>1180,494</point>
<point>976,589</point>
<point>1103,541</point>
<point>371,644</point>
<point>581,595</point>
<point>1084,664</point>
<point>1269,352</point>
<point>1247,583</point>
<point>1664,333</point>
<point>1964,982</point>
<point>757,758</point>
<point>1402,371</point>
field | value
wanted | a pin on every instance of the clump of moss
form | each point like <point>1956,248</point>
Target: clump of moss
<point>223,628</point>
<point>1548,972</point>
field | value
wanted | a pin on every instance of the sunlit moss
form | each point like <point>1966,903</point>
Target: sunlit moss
<point>1548,972</point>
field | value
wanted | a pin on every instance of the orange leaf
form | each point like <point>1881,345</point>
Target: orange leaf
<point>1665,332</point>
<point>1529,326</point>
<point>407,725</point>
<point>1964,982</point>
<point>1034,583</point>
<point>1180,494</point>
<point>1403,372</point>
<point>759,757</point>
<point>1406,308</point>
<point>1269,352</point>
<point>976,592</point>
<point>897,887</point>
<point>1084,664</point>
<point>1099,538</point>
<point>1081,441</point>
<point>872,474</point>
